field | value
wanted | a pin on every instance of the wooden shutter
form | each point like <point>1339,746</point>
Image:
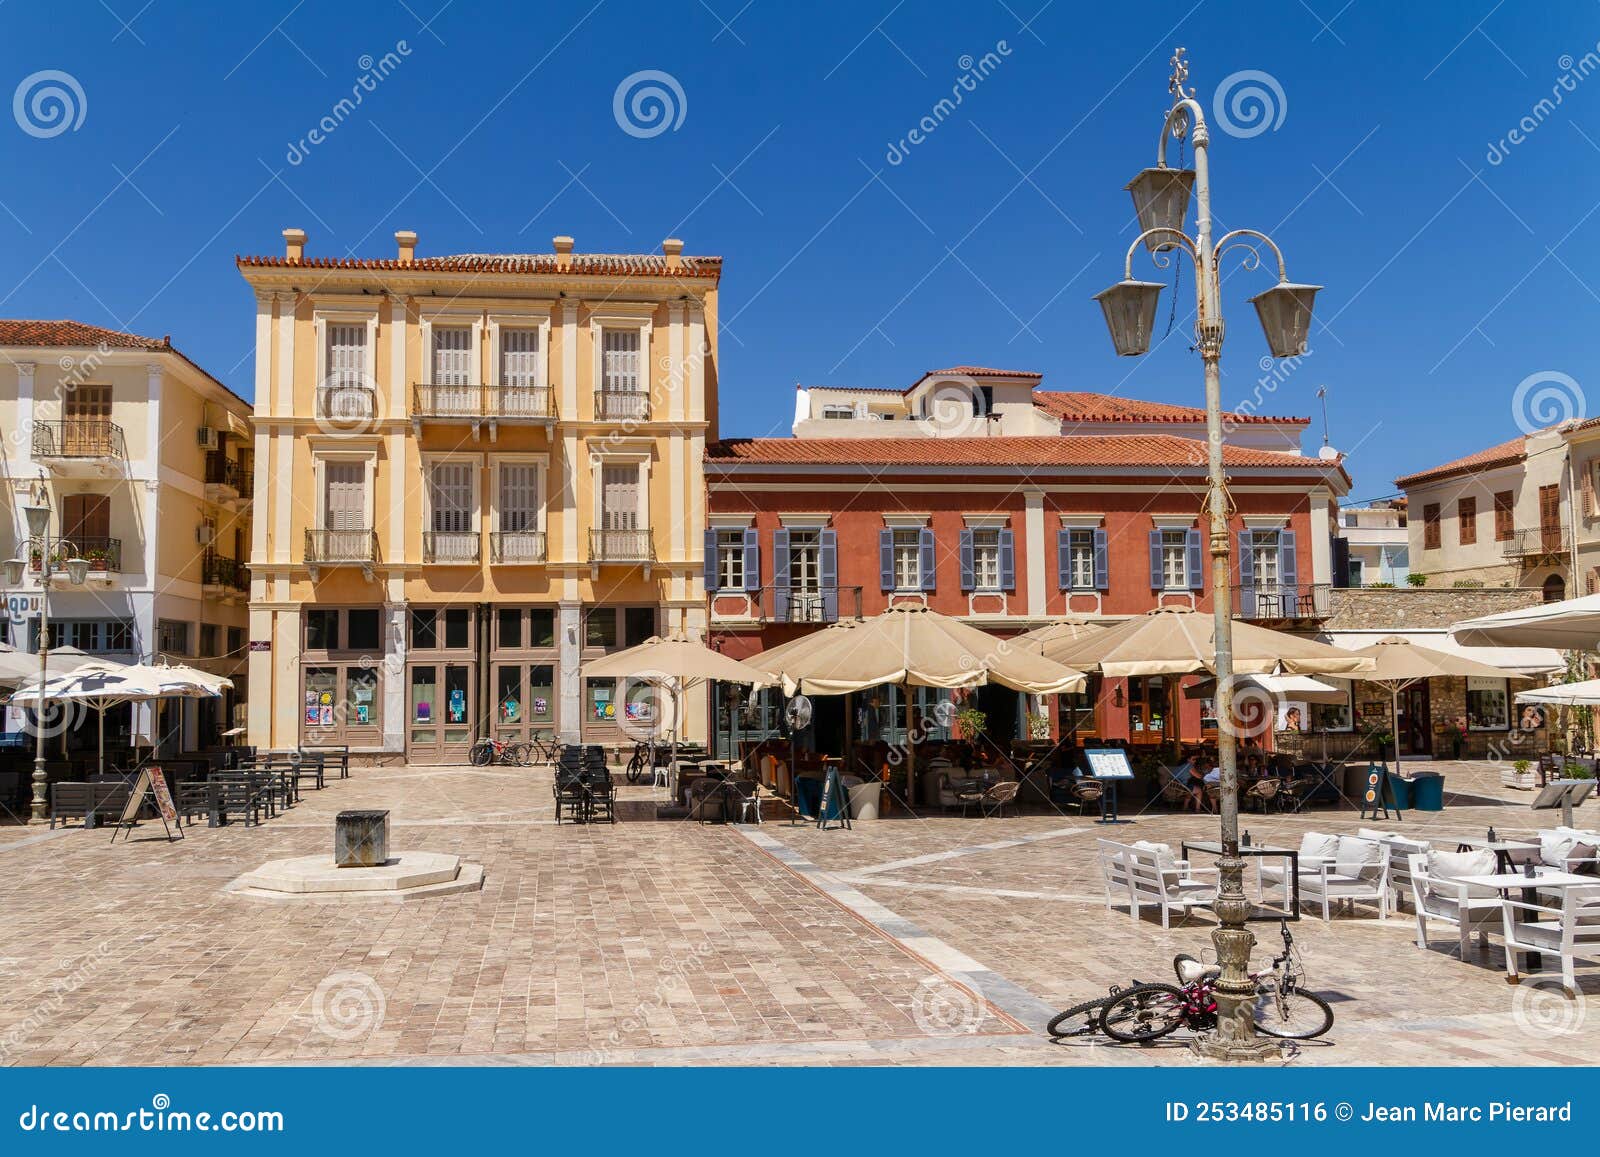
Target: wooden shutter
<point>713,563</point>
<point>347,348</point>
<point>519,358</point>
<point>346,497</point>
<point>828,573</point>
<point>1158,578</point>
<point>1195,563</point>
<point>452,356</point>
<point>780,574</point>
<point>85,516</point>
<point>620,361</point>
<point>886,559</point>
<point>619,497</point>
<point>519,496</point>
<point>1288,563</point>
<point>1247,573</point>
<point>1064,558</point>
<point>752,559</point>
<point>1008,561</point>
<point>927,562</point>
<point>1102,561</point>
<point>1550,517</point>
<point>968,579</point>
<point>451,488</point>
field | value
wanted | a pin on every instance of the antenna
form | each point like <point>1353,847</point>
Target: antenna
<point>1322,392</point>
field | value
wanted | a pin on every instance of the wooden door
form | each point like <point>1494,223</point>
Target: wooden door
<point>1550,518</point>
<point>86,426</point>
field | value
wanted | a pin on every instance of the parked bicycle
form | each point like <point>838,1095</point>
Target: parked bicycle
<point>490,750</point>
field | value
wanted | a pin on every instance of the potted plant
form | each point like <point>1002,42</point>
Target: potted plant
<point>1038,727</point>
<point>1384,738</point>
<point>1521,776</point>
<point>1417,580</point>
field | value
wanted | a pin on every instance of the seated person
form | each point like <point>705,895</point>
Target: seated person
<point>1187,775</point>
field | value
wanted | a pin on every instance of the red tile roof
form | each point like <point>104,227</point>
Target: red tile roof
<point>73,334</point>
<point>1158,451</point>
<point>985,372</point>
<point>1502,455</point>
<point>583,264</point>
<point>1080,406</point>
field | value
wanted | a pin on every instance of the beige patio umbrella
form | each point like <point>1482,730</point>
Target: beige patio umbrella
<point>1398,663</point>
<point>1063,632</point>
<point>910,646</point>
<point>1568,625</point>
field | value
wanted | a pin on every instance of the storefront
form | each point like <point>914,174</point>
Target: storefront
<point>606,709</point>
<point>441,683</point>
<point>341,683</point>
<point>524,684</point>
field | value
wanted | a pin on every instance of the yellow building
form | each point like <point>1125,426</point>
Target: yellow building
<point>475,473</point>
<point>144,461</point>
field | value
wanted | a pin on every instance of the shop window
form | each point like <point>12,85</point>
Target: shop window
<point>1488,704</point>
<point>363,630</point>
<point>600,704</point>
<point>361,695</point>
<point>600,628</point>
<point>424,698</point>
<point>541,628</point>
<point>541,707</point>
<point>322,686</point>
<point>639,624</point>
<point>322,630</point>
<point>1334,716</point>
<point>508,628</point>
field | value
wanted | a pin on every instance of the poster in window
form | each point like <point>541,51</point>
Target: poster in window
<point>363,713</point>
<point>313,715</point>
<point>510,710</point>
<point>325,699</point>
<point>1532,718</point>
<point>325,716</point>
<point>604,709</point>
<point>458,705</point>
<point>541,706</point>
<point>1291,716</point>
<point>311,698</point>
<point>1488,704</point>
<point>424,711</point>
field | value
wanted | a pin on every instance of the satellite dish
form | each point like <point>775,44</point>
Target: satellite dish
<point>1327,453</point>
<point>797,713</point>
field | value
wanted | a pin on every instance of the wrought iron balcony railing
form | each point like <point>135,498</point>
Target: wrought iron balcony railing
<point>451,546</point>
<point>78,438</point>
<point>358,547</point>
<point>621,546</point>
<point>787,604</point>
<point>621,405</point>
<point>1277,602</point>
<point>104,554</point>
<point>517,546</point>
<point>218,571</point>
<point>474,403</point>
<point>346,403</point>
<point>533,403</point>
<point>224,471</point>
<point>1536,544</point>
<point>447,402</point>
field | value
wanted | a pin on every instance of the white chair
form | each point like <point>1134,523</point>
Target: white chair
<point>1437,893</point>
<point>1315,848</point>
<point>1359,871</point>
<point>1569,929</point>
<point>1399,849</point>
<point>1150,875</point>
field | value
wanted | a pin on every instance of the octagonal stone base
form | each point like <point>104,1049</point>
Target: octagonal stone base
<point>407,876</point>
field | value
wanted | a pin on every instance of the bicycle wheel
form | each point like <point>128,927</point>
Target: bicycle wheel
<point>1079,1020</point>
<point>517,754</point>
<point>636,766</point>
<point>1292,1015</point>
<point>481,753</point>
<point>1142,1014</point>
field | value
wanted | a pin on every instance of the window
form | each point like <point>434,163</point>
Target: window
<point>347,355</point>
<point>172,637</point>
<point>424,628</point>
<point>508,628</point>
<point>362,630</point>
<point>1356,578</point>
<point>1467,520</point>
<point>518,505</point>
<point>457,628</point>
<point>730,560</point>
<point>1174,560</point>
<point>1430,526</point>
<point>638,624</point>
<point>600,628</point>
<point>86,519</point>
<point>235,642</point>
<point>1335,716</point>
<point>450,493</point>
<point>619,364</point>
<point>452,355</point>
<point>907,558</point>
<point>1080,560</point>
<point>93,635</point>
<point>1075,713</point>
<point>519,358</point>
<point>1504,519</point>
<point>344,496</point>
<point>619,497</point>
<point>836,411</point>
<point>805,566</point>
<point>91,402</point>
<point>322,630</point>
<point>986,560</point>
<point>1264,556</point>
<point>208,640</point>
<point>1350,518</point>
<point>1488,704</point>
<point>541,628</point>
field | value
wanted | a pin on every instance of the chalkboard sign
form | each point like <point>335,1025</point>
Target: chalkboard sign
<point>1377,795</point>
<point>835,803</point>
<point>152,781</point>
<point>1109,763</point>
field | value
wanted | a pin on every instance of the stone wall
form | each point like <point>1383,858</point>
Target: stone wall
<point>1419,608</point>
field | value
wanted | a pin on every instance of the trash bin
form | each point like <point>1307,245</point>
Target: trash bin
<point>1427,791</point>
<point>864,800</point>
<point>1400,789</point>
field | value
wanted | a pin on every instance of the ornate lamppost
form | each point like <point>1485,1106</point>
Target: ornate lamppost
<point>57,556</point>
<point>1161,198</point>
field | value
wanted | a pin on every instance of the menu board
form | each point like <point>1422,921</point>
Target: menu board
<point>1109,763</point>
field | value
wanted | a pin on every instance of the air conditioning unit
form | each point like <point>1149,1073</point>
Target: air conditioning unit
<point>207,437</point>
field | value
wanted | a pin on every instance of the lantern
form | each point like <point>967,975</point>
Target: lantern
<point>1285,312</point>
<point>77,570</point>
<point>1130,309</point>
<point>13,572</point>
<point>1161,199</point>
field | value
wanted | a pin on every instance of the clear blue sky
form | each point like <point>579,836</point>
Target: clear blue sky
<point>1450,279</point>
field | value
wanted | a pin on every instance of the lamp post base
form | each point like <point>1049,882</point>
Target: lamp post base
<point>1255,1050</point>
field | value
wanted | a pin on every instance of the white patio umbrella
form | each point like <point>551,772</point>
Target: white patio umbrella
<point>1585,694</point>
<point>1568,625</point>
<point>1398,663</point>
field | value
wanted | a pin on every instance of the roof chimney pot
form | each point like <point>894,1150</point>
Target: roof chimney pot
<point>673,248</point>
<point>563,246</point>
<point>294,244</point>
<point>407,241</point>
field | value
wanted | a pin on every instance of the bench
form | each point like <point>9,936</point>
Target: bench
<point>1149,874</point>
<point>89,802</point>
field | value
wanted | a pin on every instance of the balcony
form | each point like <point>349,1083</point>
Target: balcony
<point>79,446</point>
<point>104,555</point>
<point>326,548</point>
<point>621,406</point>
<point>621,546</point>
<point>227,482</point>
<point>1531,547</point>
<point>509,547</point>
<point>346,406</point>
<point>461,548</point>
<point>1283,604</point>
<point>226,578</point>
<point>480,405</point>
<point>786,605</point>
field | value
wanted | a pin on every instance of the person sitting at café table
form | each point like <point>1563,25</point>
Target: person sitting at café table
<point>1187,776</point>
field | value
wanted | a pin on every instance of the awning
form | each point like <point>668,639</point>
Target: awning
<point>221,418</point>
<point>1530,662</point>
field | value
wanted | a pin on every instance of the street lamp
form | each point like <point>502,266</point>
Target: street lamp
<point>1161,199</point>
<point>51,553</point>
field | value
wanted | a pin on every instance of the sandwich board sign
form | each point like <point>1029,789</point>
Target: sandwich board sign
<point>1109,764</point>
<point>152,781</point>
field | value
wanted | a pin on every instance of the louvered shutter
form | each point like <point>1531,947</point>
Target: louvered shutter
<point>620,497</point>
<point>886,559</point>
<point>780,575</point>
<point>620,361</point>
<point>86,516</point>
<point>1247,573</point>
<point>346,507</point>
<point>519,497</point>
<point>1102,567</point>
<point>927,562</point>
<point>828,573</point>
<point>713,564</point>
<point>452,356</point>
<point>1288,567</point>
<point>1064,558</point>
<point>452,497</point>
<point>347,354</point>
<point>968,580</point>
<point>1008,561</point>
<point>752,559</point>
<point>519,358</point>
<point>1196,561</point>
<point>1157,575</point>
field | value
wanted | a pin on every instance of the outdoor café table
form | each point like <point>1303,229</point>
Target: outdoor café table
<point>1529,886</point>
<point>1502,849</point>
<point>1257,851</point>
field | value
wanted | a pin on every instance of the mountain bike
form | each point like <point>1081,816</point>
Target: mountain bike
<point>1088,1017</point>
<point>1283,1009</point>
<point>490,750</point>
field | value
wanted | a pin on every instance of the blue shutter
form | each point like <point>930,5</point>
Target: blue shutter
<point>1288,568</point>
<point>1064,558</point>
<point>1102,567</point>
<point>1008,561</point>
<point>752,559</point>
<point>1157,582</point>
<point>828,573</point>
<point>780,575</point>
<point>1196,564</point>
<point>926,561</point>
<point>967,582</point>
<point>886,559</point>
<point>1247,574</point>
<point>711,562</point>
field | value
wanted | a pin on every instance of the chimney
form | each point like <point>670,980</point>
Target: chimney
<point>673,248</point>
<point>407,241</point>
<point>294,244</point>
<point>563,246</point>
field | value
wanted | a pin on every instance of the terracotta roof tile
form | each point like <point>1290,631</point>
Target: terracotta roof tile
<point>1502,455</point>
<point>1081,406</point>
<point>1160,451</point>
<point>583,264</point>
<point>73,334</point>
<point>985,372</point>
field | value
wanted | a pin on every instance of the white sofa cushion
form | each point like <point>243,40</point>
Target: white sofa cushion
<point>1447,866</point>
<point>1318,846</point>
<point>1355,854</point>
<point>1162,852</point>
<point>1555,847</point>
